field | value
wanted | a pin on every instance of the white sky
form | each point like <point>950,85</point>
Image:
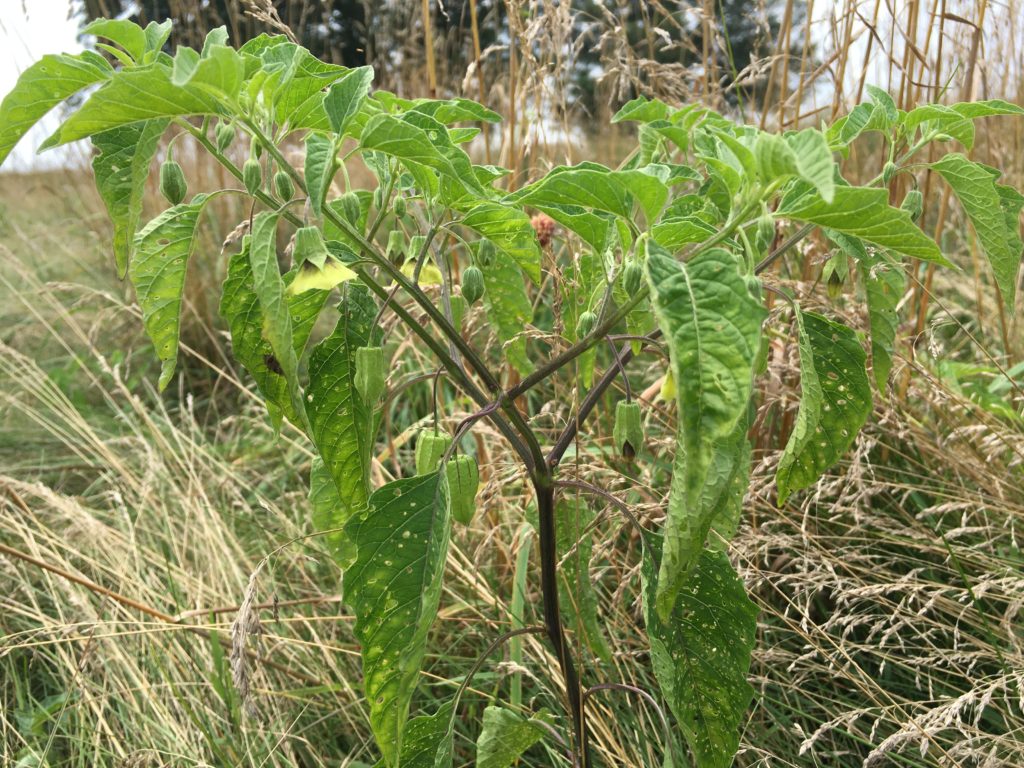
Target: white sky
<point>30,29</point>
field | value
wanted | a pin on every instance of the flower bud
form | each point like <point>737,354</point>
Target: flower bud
<point>172,181</point>
<point>472,284</point>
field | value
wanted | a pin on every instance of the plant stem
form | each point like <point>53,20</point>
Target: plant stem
<point>543,485</point>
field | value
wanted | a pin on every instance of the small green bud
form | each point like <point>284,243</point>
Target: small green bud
<point>399,206</point>
<point>396,245</point>
<point>431,446</point>
<point>310,246</point>
<point>888,171</point>
<point>378,198</point>
<point>765,233</point>
<point>485,252</point>
<point>224,135</point>
<point>172,181</point>
<point>463,476</point>
<point>283,185</point>
<point>472,284</point>
<point>252,175</point>
<point>370,374</point>
<point>586,323</point>
<point>350,207</point>
<point>459,307</point>
<point>632,277</point>
<point>628,431</point>
<point>913,204</point>
<point>835,284</point>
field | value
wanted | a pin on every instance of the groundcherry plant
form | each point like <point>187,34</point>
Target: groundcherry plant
<point>663,252</point>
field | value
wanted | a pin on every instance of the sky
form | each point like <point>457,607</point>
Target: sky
<point>30,29</point>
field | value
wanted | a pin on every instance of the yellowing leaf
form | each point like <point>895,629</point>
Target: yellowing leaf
<point>429,274</point>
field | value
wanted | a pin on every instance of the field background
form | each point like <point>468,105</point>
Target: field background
<point>134,525</point>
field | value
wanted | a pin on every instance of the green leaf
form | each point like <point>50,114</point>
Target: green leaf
<point>595,187</point>
<point>427,741</point>
<point>701,652</point>
<point>975,187</point>
<point>219,71</point>
<point>394,587</point>
<point>240,308</point>
<point>578,597</point>
<point>319,170</point>
<point>712,325</point>
<point>508,308</point>
<point>885,283</point>
<point>447,111</point>
<point>411,144</point>
<point>341,423</point>
<point>43,86</point>
<point>510,231</point>
<point>505,737</point>
<point>582,292</point>
<point>269,287</point>
<point>726,485</point>
<point>642,110</point>
<point>938,117</point>
<point>121,170</point>
<point>835,401</point>
<point>885,105</point>
<point>346,97</point>
<point>133,95</point>
<point>156,35</point>
<point>162,250</point>
<point>805,155</point>
<point>865,213</point>
<point>676,232</point>
<point>814,163</point>
<point>127,34</point>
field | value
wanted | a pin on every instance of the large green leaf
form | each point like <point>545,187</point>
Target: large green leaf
<point>885,283</point>
<point>127,34</point>
<point>121,170</point>
<point>43,86</point>
<point>712,325</point>
<point>414,145</point>
<point>975,187</point>
<point>132,95</point>
<point>864,212</point>
<point>219,70</point>
<point>346,97</point>
<point>508,307</point>
<point>679,231</point>
<point>814,162</point>
<point>157,271</point>
<point>956,120</point>
<point>578,599</point>
<point>342,423</point>
<point>598,188</point>
<point>701,652</point>
<point>427,741</point>
<point>319,169</point>
<point>394,587</point>
<point>505,737</point>
<point>240,307</point>
<point>835,401</point>
<point>510,230</point>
